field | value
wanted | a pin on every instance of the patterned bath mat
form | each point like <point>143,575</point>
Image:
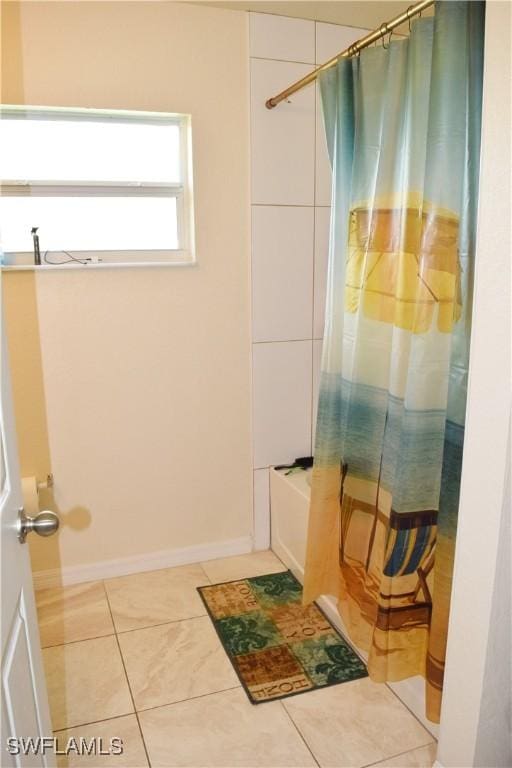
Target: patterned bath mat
<point>277,646</point>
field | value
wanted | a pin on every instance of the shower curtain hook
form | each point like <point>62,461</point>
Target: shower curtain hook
<point>409,16</point>
<point>385,26</point>
<point>419,15</point>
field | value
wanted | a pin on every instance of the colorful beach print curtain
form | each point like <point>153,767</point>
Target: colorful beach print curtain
<point>403,130</point>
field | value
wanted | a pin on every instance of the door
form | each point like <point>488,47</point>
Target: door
<point>25,710</point>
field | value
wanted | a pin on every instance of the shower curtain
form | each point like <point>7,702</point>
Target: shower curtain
<point>402,123</point>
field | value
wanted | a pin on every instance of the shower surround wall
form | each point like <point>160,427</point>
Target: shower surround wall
<point>290,203</point>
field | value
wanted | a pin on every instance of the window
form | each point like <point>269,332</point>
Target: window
<point>100,187</point>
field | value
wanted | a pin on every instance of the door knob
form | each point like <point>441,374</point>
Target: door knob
<point>44,524</point>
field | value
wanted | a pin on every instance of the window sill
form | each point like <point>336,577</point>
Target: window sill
<point>111,265</point>
<point>100,260</point>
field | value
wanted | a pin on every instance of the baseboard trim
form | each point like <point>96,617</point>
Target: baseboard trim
<point>150,561</point>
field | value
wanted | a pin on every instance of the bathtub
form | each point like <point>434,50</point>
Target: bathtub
<point>289,512</point>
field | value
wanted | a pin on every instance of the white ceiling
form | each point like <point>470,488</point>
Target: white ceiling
<point>367,14</point>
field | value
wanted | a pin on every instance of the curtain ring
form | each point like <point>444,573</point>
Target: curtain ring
<point>409,17</point>
<point>385,27</point>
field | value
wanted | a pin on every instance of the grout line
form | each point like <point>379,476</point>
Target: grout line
<point>93,722</point>
<point>314,129</point>
<point>269,512</point>
<point>312,428</point>
<point>313,21</point>
<point>190,698</point>
<point>205,575</point>
<point>311,399</point>
<point>287,205</point>
<point>286,567</point>
<point>128,680</point>
<point>283,61</point>
<point>400,754</point>
<point>163,623</point>
<point>283,341</point>
<point>251,292</point>
<point>402,702</point>
<point>292,721</point>
<point>81,640</point>
<point>134,629</point>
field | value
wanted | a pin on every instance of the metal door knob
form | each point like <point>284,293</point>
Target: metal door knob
<point>44,524</point>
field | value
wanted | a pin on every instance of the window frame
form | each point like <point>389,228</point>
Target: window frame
<point>182,191</point>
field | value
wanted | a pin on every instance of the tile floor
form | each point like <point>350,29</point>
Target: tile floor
<point>136,657</point>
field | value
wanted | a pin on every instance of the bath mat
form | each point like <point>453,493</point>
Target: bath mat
<point>277,646</point>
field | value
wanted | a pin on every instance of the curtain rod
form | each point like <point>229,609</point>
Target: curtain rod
<point>384,28</point>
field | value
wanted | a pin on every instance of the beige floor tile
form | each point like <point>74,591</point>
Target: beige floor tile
<point>125,728</point>
<point>86,682</point>
<point>156,597</point>
<point>223,730</point>
<point>175,661</point>
<point>355,724</point>
<point>423,757</point>
<point>79,612</point>
<point>242,566</point>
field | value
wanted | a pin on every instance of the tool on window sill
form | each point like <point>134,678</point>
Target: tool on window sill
<point>37,252</point>
<point>302,463</point>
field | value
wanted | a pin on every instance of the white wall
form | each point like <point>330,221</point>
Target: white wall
<point>147,371</point>
<point>475,719</point>
<point>494,736</point>
<point>291,195</point>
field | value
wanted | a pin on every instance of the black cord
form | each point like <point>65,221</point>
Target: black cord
<point>66,261</point>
